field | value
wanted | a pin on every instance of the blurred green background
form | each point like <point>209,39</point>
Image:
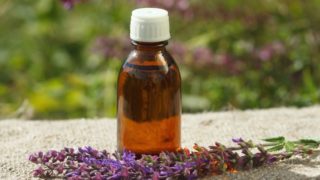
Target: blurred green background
<point>59,61</point>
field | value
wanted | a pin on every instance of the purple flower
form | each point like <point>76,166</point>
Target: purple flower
<point>45,158</point>
<point>165,173</point>
<point>265,53</point>
<point>69,4</point>
<point>60,168</point>
<point>178,50</point>
<point>40,154</point>
<point>38,172</point>
<point>178,5</point>
<point>243,162</point>
<point>98,176</point>
<point>278,47</point>
<point>86,149</point>
<point>89,163</point>
<point>237,140</point>
<point>129,157</point>
<point>190,164</point>
<point>112,47</point>
<point>33,158</point>
<point>69,150</point>
<point>271,159</point>
<point>124,172</point>
<point>73,174</point>
<point>268,51</point>
<point>182,4</point>
<point>203,56</point>
<point>52,153</point>
<point>83,167</point>
<point>155,176</point>
<point>76,177</point>
<point>61,156</point>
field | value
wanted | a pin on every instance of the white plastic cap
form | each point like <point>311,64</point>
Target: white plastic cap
<point>149,25</point>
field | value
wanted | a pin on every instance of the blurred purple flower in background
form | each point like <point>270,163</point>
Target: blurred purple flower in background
<point>178,50</point>
<point>203,56</point>
<point>190,10</point>
<point>112,47</point>
<point>68,4</point>
<point>180,6</point>
<point>265,53</point>
<point>228,63</point>
<point>278,47</point>
<point>268,51</point>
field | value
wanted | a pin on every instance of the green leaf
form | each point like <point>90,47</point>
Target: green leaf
<point>289,146</point>
<point>276,148</point>
<point>309,142</point>
<point>279,139</point>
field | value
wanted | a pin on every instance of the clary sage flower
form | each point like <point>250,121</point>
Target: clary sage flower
<point>89,163</point>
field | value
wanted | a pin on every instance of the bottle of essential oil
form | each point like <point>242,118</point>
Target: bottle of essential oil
<point>149,88</point>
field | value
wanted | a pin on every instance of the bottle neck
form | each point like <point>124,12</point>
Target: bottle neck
<point>150,46</point>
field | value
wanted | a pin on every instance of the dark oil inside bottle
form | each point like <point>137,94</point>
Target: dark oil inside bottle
<point>149,101</point>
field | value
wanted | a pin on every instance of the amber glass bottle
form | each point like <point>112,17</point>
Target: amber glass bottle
<point>149,97</point>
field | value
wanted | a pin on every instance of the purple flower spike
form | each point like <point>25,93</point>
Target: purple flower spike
<point>89,163</point>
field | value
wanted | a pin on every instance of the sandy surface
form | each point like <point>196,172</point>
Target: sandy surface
<point>18,138</point>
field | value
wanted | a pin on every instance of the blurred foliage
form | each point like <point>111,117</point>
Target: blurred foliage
<point>59,63</point>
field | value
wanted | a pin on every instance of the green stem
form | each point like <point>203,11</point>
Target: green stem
<point>254,146</point>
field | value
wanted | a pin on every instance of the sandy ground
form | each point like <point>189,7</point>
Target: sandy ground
<point>18,138</point>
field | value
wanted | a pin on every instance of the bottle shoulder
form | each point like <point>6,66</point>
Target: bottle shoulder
<point>150,58</point>
<point>145,65</point>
